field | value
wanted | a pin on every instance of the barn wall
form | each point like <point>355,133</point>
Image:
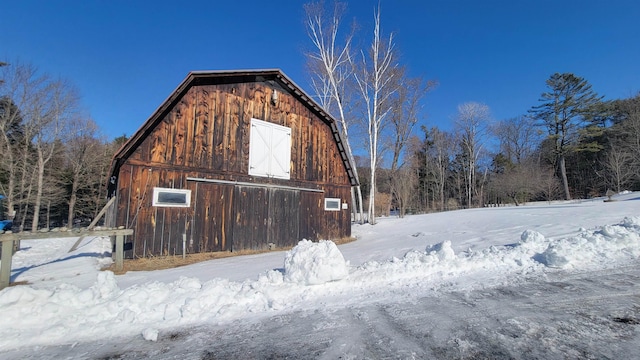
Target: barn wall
<point>208,130</point>
<point>284,217</point>
<point>211,230</point>
<point>205,135</point>
<point>157,230</point>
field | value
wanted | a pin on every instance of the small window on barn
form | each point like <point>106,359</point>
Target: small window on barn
<point>269,150</point>
<point>171,197</point>
<point>332,204</point>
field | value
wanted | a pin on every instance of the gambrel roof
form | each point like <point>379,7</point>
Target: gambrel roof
<point>196,78</point>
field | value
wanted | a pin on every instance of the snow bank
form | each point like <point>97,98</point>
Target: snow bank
<point>310,263</point>
<point>602,247</point>
<point>67,313</point>
<point>438,264</point>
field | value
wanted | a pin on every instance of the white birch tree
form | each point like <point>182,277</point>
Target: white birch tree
<point>471,125</point>
<point>331,73</point>
<point>21,88</point>
<point>373,75</point>
<point>42,105</point>
<point>48,116</point>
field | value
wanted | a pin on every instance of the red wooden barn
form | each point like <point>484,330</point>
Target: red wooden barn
<point>232,160</point>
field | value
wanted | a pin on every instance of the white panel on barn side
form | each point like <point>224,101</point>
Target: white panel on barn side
<point>259,148</point>
<point>269,150</point>
<point>280,152</point>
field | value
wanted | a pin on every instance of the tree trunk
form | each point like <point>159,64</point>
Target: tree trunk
<point>24,197</point>
<point>354,209</point>
<point>360,208</point>
<point>72,201</point>
<point>372,199</point>
<point>11,195</point>
<point>470,183</point>
<point>441,193</point>
<point>372,188</point>
<point>515,200</point>
<point>38,201</point>
<point>11,181</point>
<point>49,214</point>
<point>563,174</point>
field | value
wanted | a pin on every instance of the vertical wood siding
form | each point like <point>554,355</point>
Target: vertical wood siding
<point>212,218</point>
<point>284,217</point>
<point>205,134</point>
<point>250,207</point>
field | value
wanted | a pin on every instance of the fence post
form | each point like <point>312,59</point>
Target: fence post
<point>119,252</point>
<point>5,267</point>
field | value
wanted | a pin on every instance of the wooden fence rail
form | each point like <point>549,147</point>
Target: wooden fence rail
<point>8,239</point>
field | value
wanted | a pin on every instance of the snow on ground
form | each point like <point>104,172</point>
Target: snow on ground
<point>441,285</point>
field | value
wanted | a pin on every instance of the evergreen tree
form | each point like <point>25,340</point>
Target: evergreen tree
<point>562,111</point>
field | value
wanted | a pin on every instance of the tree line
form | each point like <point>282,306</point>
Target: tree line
<point>54,162</point>
<point>571,144</point>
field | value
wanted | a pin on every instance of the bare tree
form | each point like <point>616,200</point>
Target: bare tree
<point>439,147</point>
<point>518,183</point>
<point>38,108</point>
<point>374,78</point>
<point>83,156</point>
<point>515,166</point>
<point>96,198</point>
<point>518,137</point>
<point>48,115</point>
<point>405,110</point>
<point>548,184</point>
<point>53,197</point>
<point>10,124</point>
<point>627,131</point>
<point>404,185</point>
<point>471,126</point>
<point>619,169</point>
<point>331,72</point>
<point>22,88</point>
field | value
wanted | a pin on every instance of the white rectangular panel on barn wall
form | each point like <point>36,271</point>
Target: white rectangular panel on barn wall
<point>269,150</point>
<point>280,152</point>
<point>259,143</point>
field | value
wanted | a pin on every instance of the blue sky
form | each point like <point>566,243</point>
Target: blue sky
<point>126,57</point>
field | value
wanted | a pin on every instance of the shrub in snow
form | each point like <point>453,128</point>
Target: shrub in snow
<point>310,263</point>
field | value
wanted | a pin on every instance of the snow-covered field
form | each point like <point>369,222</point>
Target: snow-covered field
<point>537,281</point>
